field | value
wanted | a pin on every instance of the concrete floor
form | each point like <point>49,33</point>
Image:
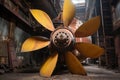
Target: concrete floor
<point>94,73</point>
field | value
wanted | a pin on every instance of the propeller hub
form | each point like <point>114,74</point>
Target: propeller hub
<point>62,38</point>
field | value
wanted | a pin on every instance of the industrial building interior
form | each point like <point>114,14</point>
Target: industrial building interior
<point>17,24</point>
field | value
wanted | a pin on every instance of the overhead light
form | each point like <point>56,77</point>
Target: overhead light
<point>78,1</point>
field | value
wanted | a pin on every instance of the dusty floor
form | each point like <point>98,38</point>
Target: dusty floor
<point>94,73</point>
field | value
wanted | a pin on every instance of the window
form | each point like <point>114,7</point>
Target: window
<point>118,11</point>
